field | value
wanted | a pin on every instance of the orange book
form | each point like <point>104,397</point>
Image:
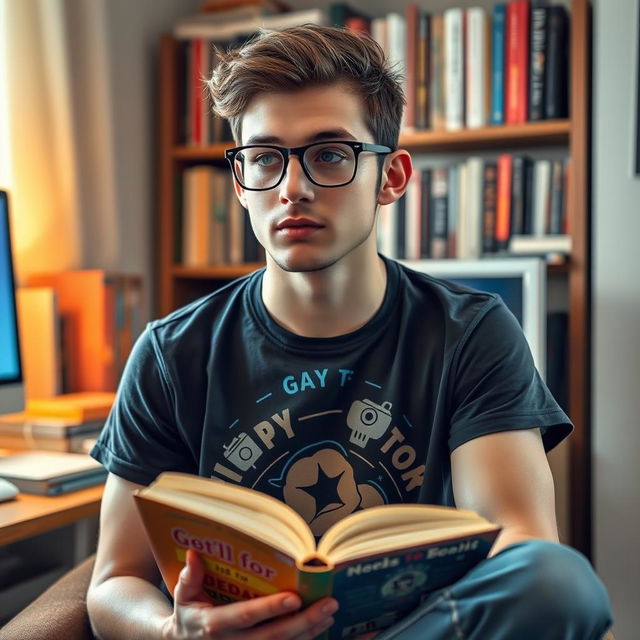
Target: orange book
<point>81,407</point>
<point>385,558</point>
<point>503,209</point>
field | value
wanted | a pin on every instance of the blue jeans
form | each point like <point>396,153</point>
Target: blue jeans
<point>533,590</point>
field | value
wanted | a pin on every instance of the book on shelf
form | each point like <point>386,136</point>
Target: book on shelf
<point>477,68</point>
<point>454,68</point>
<point>517,62</point>
<point>227,31</point>
<point>498,26</point>
<point>556,96</point>
<point>81,406</point>
<point>379,563</point>
<point>540,245</point>
<point>537,61</point>
<point>51,473</point>
<point>342,14</point>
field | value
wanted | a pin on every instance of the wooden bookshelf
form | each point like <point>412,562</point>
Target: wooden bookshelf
<point>177,284</point>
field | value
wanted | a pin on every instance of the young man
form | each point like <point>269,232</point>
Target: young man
<point>345,379</point>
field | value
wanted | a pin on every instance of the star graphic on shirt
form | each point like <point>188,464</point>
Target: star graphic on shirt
<point>325,492</point>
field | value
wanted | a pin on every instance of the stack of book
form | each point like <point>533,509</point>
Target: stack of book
<point>66,423</point>
<point>508,205</point>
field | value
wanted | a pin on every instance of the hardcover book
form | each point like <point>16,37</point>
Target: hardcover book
<point>379,563</point>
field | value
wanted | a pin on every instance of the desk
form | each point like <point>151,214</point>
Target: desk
<point>29,515</point>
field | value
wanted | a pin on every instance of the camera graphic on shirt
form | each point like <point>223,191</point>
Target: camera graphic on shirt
<point>366,419</point>
<point>242,451</point>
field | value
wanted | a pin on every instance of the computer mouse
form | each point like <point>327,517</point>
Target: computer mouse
<point>8,490</point>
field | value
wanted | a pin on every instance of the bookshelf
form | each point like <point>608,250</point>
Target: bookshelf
<point>177,284</point>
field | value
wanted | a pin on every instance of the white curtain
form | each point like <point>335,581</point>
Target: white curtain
<point>56,149</point>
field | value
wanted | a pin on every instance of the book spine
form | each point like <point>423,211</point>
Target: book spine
<point>437,74</point>
<point>537,61</point>
<point>425,211</point>
<point>541,188</point>
<point>516,64</point>
<point>475,167</point>
<point>503,208</point>
<point>422,72</point>
<point>489,202</point>
<point>497,63</point>
<point>557,92</point>
<point>476,67</point>
<point>440,212</point>
<point>557,196</point>
<point>454,68</point>
<point>412,18</point>
<point>518,194</point>
<point>196,93</point>
<point>396,34</point>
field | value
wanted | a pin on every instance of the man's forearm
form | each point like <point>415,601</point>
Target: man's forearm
<point>127,607</point>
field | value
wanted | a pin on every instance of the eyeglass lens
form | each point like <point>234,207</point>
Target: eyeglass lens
<point>328,165</point>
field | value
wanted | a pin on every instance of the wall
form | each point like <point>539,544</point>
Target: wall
<point>616,311</point>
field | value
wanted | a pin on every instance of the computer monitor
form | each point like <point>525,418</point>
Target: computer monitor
<point>11,380</point>
<point>520,282</point>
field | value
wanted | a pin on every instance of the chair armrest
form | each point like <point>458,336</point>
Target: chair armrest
<point>59,612</point>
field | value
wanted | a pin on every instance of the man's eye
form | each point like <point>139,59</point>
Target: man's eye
<point>329,156</point>
<point>266,159</point>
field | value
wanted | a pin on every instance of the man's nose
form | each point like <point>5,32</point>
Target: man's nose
<point>295,185</point>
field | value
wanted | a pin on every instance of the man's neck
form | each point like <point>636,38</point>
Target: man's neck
<point>326,303</point>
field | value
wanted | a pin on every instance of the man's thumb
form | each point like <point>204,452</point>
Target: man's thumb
<point>189,587</point>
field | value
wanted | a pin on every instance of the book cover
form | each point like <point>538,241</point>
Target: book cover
<point>517,67</point>
<point>498,27</point>
<point>489,203</point>
<point>81,407</point>
<point>423,91</point>
<point>556,97</point>
<point>537,61</point>
<point>378,563</point>
<point>519,193</point>
<point>454,68</point>
<point>476,67</point>
<point>503,206</point>
<point>437,74</point>
<point>439,212</point>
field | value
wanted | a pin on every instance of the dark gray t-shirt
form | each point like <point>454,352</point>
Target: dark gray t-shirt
<point>328,425</point>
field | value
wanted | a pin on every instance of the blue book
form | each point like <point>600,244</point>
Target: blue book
<point>497,63</point>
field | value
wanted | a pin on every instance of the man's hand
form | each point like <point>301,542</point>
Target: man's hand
<point>265,618</point>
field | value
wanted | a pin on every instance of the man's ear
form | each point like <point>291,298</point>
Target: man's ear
<point>239,192</point>
<point>396,172</point>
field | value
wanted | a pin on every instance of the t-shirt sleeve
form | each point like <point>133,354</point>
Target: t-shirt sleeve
<point>496,386</point>
<point>141,437</point>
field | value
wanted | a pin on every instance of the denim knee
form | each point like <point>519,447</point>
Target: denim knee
<point>561,585</point>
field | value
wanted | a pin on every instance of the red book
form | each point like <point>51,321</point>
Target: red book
<point>503,209</point>
<point>517,62</point>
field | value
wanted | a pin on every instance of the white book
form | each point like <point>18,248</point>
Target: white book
<point>454,68</point>
<point>230,30</point>
<point>541,196</point>
<point>535,245</point>
<point>475,169</point>
<point>462,248</point>
<point>476,68</point>
<point>397,48</point>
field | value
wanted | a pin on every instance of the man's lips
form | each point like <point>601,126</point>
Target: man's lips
<point>295,223</point>
<point>298,228</point>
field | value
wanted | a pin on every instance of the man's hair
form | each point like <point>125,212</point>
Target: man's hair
<point>309,56</point>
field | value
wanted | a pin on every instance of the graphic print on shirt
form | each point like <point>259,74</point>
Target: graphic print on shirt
<point>324,462</point>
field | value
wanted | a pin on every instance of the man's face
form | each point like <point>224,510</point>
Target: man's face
<point>304,227</point>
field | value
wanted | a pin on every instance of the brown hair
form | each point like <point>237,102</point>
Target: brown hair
<point>305,56</point>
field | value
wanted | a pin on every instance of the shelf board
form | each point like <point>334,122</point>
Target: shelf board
<point>215,271</point>
<point>529,134</point>
<point>229,271</point>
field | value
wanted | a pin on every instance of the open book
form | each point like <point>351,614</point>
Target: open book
<point>379,563</point>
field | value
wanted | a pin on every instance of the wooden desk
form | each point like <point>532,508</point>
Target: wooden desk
<point>29,515</point>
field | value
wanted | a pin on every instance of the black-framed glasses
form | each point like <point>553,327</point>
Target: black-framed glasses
<point>259,167</point>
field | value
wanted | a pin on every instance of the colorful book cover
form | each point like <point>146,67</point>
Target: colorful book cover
<point>497,63</point>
